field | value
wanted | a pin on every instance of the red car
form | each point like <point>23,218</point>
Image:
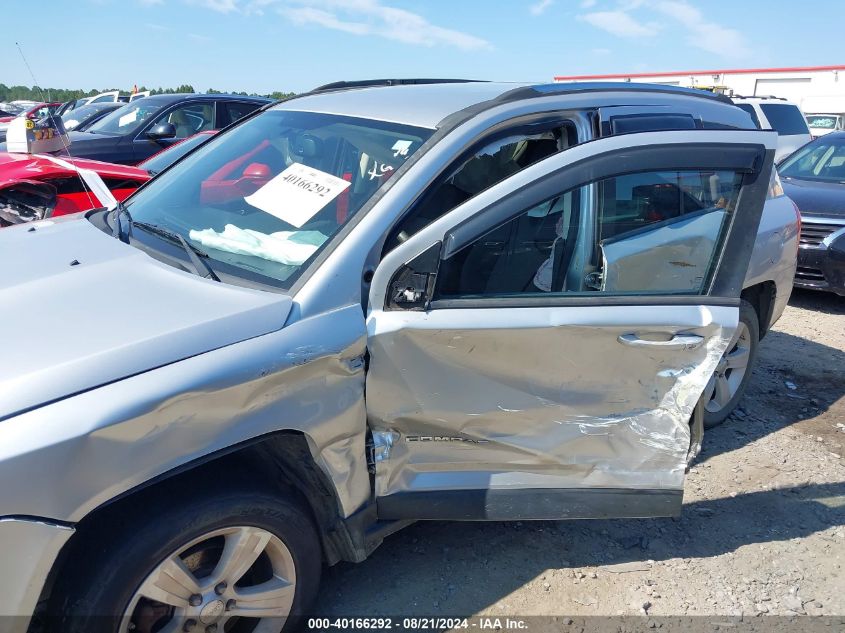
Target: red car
<point>36,186</point>
<point>35,112</point>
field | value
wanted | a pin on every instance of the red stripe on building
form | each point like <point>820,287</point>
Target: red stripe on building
<point>732,71</point>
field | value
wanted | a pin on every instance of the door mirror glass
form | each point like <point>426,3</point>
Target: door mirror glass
<point>412,286</point>
<point>162,131</point>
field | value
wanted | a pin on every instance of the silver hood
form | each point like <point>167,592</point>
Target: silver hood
<point>70,327</point>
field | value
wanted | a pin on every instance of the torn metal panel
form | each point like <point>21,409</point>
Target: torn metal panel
<point>306,377</point>
<point>537,397</point>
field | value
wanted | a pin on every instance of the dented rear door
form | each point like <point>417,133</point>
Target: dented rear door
<point>494,392</point>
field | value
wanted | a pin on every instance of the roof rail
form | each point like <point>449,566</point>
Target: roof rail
<point>607,86</point>
<point>735,96</point>
<point>367,83</point>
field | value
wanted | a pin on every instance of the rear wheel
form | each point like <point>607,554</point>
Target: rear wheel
<point>242,562</point>
<point>729,381</point>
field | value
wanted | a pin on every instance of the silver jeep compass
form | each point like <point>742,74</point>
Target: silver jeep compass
<point>364,306</point>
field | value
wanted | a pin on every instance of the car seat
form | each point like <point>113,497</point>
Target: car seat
<point>183,126</point>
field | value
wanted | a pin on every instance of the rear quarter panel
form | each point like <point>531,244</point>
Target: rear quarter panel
<point>774,257</point>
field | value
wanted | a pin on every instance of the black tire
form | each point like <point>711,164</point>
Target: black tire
<point>113,558</point>
<point>748,316</point>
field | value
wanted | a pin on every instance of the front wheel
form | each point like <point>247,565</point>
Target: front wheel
<point>237,562</point>
<point>729,381</point>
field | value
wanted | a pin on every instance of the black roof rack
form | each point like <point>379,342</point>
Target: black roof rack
<point>368,83</point>
<point>735,96</point>
<point>607,86</point>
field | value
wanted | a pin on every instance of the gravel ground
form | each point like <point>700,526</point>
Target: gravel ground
<point>762,530</point>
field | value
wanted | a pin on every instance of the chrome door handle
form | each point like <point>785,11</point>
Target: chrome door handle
<point>677,342</point>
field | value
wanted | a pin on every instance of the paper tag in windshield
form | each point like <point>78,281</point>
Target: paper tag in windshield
<point>297,194</point>
<point>126,119</point>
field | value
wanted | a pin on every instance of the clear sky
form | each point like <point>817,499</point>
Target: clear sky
<point>294,45</point>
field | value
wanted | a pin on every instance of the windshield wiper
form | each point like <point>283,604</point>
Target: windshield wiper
<point>195,254</point>
<point>120,211</point>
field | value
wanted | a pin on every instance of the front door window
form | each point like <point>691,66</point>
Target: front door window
<point>656,233</point>
<point>190,119</point>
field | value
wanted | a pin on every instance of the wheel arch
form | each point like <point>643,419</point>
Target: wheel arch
<point>280,462</point>
<point>762,297</point>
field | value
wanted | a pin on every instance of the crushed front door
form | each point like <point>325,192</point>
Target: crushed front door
<point>494,392</point>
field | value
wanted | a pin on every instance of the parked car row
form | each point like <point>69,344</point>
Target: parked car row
<point>37,111</point>
<point>813,174</point>
<point>35,187</point>
<point>114,96</point>
<point>814,177</point>
<point>137,130</point>
<point>85,116</point>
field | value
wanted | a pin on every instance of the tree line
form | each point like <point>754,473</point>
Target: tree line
<point>35,93</point>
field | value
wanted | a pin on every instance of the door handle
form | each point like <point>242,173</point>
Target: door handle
<point>677,342</point>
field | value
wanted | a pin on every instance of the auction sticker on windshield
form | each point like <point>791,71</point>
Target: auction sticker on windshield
<point>126,119</point>
<point>297,194</point>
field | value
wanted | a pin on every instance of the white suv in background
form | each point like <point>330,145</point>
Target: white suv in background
<point>786,118</point>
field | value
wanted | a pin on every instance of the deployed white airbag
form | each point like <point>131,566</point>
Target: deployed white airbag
<point>286,247</point>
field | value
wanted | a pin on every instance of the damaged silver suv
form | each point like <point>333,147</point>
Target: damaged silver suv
<point>368,305</point>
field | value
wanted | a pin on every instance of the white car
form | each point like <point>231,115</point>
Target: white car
<point>821,124</point>
<point>785,117</point>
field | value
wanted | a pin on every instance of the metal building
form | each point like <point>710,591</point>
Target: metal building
<point>814,88</point>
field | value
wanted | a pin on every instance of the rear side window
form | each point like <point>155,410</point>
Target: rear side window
<point>750,109</point>
<point>235,111</point>
<point>785,118</point>
<point>651,123</point>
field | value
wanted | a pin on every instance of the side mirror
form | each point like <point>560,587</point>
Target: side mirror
<point>257,170</point>
<point>162,131</point>
<point>255,176</point>
<point>412,287</point>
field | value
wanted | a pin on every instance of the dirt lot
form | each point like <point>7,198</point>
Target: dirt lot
<point>762,531</point>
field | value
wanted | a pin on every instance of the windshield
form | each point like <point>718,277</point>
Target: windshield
<point>73,118</point>
<point>821,121</point>
<point>126,119</point>
<point>167,157</point>
<point>823,159</point>
<point>262,199</point>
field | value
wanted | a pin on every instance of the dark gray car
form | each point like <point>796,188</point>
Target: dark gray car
<point>144,127</point>
<point>814,177</point>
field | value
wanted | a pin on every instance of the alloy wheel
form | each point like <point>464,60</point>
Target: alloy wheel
<point>232,580</point>
<point>727,378</point>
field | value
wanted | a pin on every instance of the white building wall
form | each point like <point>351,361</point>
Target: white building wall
<point>816,91</point>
